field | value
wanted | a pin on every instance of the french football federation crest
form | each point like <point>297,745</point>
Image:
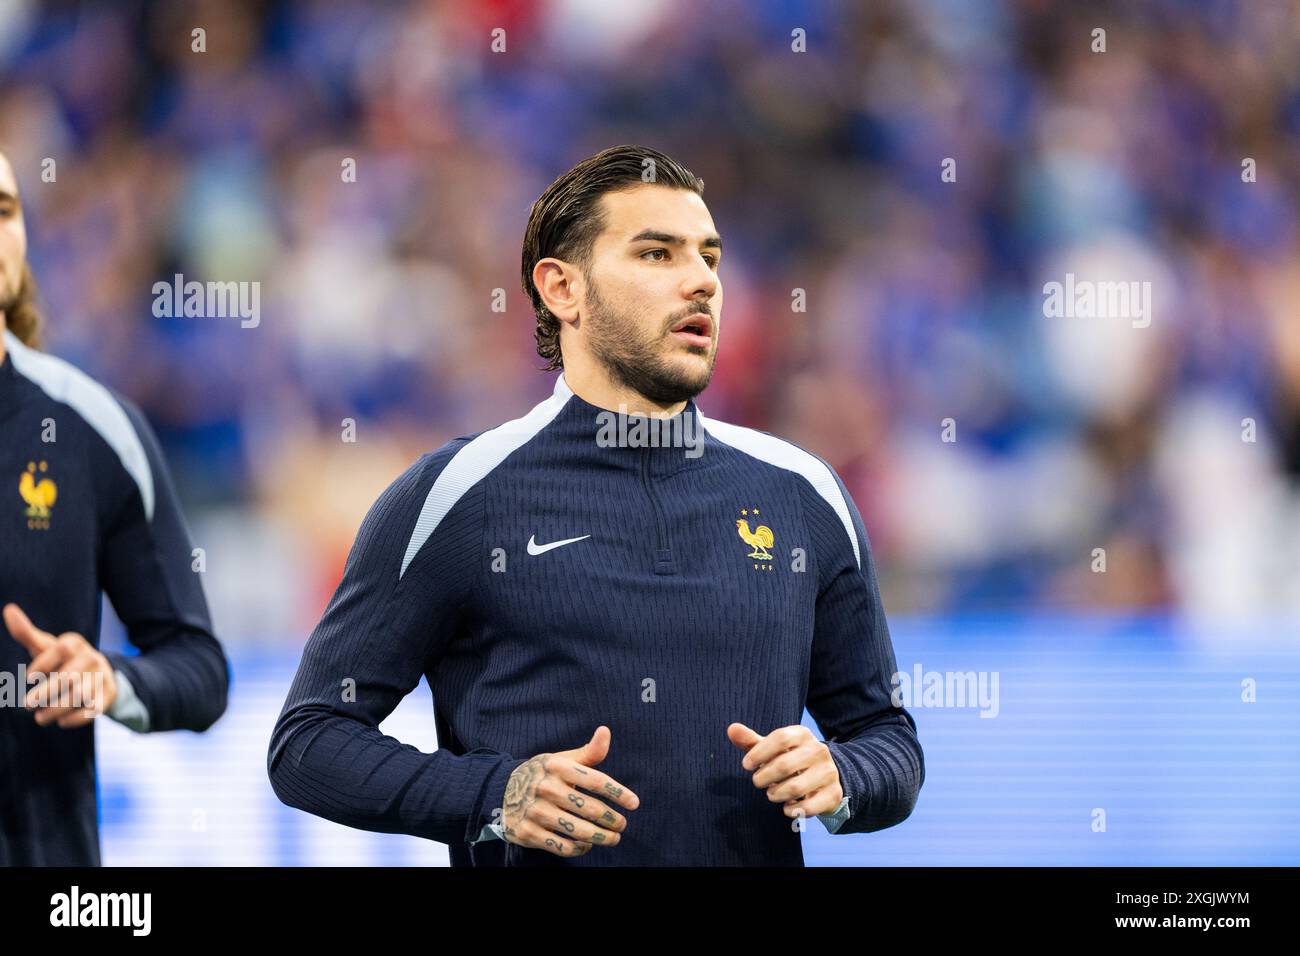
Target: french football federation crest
<point>759,539</point>
<point>40,495</point>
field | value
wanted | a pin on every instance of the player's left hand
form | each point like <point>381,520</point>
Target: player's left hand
<point>794,767</point>
<point>85,676</point>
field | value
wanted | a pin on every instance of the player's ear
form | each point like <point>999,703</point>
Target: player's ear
<point>560,285</point>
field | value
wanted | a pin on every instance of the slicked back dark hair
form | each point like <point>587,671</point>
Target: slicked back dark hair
<point>566,219</point>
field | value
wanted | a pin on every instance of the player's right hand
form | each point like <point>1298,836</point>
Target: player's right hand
<point>544,809</point>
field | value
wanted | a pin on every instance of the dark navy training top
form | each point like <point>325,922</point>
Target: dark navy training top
<point>557,573</point>
<point>86,505</point>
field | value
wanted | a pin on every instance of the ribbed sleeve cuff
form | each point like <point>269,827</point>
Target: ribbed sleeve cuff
<point>491,799</point>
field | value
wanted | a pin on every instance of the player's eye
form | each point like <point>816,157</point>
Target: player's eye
<point>711,260</point>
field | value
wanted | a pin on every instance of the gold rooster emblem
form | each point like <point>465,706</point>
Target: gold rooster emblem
<point>39,495</point>
<point>760,539</point>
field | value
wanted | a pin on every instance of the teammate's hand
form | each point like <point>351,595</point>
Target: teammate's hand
<point>794,767</point>
<point>544,811</point>
<point>85,686</point>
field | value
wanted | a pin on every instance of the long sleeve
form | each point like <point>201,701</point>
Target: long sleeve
<point>384,627</point>
<point>872,742</point>
<point>180,677</point>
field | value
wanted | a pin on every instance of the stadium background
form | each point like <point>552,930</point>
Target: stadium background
<point>1119,690</point>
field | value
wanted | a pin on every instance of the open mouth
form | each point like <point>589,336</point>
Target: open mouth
<point>695,330</point>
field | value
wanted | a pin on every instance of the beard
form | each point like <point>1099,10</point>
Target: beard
<point>634,358</point>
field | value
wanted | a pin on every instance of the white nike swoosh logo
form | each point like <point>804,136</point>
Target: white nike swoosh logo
<point>535,548</point>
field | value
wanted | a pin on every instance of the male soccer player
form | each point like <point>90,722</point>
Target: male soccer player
<point>613,560</point>
<point>87,505</point>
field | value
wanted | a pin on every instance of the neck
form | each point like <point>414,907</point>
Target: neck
<point>592,384</point>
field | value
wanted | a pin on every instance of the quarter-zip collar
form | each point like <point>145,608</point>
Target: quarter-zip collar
<point>656,446</point>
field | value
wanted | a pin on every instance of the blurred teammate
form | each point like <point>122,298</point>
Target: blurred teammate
<point>86,505</point>
<point>611,561</point>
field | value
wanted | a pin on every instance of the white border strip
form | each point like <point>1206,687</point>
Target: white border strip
<point>783,454</point>
<point>473,462</point>
<point>66,383</point>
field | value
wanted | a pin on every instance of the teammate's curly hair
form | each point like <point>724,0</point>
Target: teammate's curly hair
<point>22,316</point>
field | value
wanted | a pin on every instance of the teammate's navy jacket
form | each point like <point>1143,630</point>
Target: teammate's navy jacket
<point>666,621</point>
<point>96,511</point>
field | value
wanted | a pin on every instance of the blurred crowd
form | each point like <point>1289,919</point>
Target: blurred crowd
<point>1001,458</point>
